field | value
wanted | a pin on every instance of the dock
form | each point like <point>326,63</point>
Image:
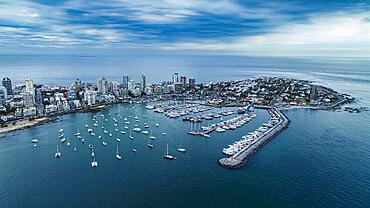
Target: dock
<point>238,159</point>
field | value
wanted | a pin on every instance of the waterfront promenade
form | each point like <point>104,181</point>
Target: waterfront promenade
<point>238,159</point>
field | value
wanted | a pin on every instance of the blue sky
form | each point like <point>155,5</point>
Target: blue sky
<point>266,28</point>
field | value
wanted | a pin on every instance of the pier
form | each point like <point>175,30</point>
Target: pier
<point>239,158</point>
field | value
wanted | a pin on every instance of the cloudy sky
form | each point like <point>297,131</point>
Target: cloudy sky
<point>271,28</point>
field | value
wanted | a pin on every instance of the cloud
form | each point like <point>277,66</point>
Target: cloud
<point>334,33</point>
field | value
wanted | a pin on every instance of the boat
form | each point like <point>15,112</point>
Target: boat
<point>146,126</point>
<point>118,156</point>
<point>35,145</point>
<point>104,143</point>
<point>163,133</point>
<point>34,140</point>
<point>58,153</point>
<point>61,130</point>
<point>166,155</point>
<point>92,134</point>
<point>134,150</point>
<point>150,145</point>
<point>68,143</point>
<point>83,141</point>
<point>145,132</point>
<point>63,140</point>
<point>118,139</point>
<point>151,135</point>
<point>183,150</point>
<point>123,132</point>
<point>136,129</point>
<point>94,164</point>
<point>99,137</point>
<point>92,152</point>
<point>91,146</point>
<point>75,149</point>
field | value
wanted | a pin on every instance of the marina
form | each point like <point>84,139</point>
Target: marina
<point>243,149</point>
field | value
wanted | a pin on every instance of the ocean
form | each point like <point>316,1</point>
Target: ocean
<point>321,160</point>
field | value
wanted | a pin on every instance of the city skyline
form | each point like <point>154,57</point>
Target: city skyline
<point>272,28</point>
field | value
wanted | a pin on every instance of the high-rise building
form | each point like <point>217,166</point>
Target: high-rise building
<point>29,99</point>
<point>183,81</point>
<point>29,85</point>
<point>3,95</point>
<point>125,80</point>
<point>175,78</point>
<point>131,85</point>
<point>102,84</point>
<point>78,85</point>
<point>143,83</point>
<point>7,83</point>
<point>90,97</point>
<point>191,83</point>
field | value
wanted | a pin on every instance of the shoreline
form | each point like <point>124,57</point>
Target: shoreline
<point>25,123</point>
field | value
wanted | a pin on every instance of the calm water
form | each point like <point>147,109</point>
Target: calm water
<point>321,160</point>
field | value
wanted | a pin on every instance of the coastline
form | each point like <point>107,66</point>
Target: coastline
<point>25,123</point>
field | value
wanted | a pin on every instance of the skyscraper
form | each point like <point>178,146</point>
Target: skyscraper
<point>29,84</point>
<point>143,83</point>
<point>191,83</point>
<point>7,83</point>
<point>29,98</point>
<point>183,81</point>
<point>175,78</point>
<point>102,85</point>
<point>3,95</point>
<point>125,80</point>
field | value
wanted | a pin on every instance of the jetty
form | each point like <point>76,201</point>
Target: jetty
<point>238,159</point>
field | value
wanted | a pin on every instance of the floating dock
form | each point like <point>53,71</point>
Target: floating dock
<point>240,158</point>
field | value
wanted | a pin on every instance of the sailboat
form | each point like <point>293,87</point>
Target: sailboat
<point>118,156</point>
<point>151,135</point>
<point>92,152</point>
<point>156,122</point>
<point>94,164</point>
<point>58,153</point>
<point>183,150</point>
<point>150,145</point>
<point>166,155</point>
<point>131,137</point>
<point>68,143</point>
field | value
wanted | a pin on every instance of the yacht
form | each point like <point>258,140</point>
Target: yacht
<point>68,143</point>
<point>92,134</point>
<point>94,164</point>
<point>163,133</point>
<point>123,132</point>
<point>92,152</point>
<point>58,153</point>
<point>104,143</point>
<point>75,149</point>
<point>150,145</point>
<point>183,150</point>
<point>166,155</point>
<point>134,150</point>
<point>99,137</point>
<point>118,139</point>
<point>118,156</point>
<point>145,132</point>
<point>63,140</point>
<point>34,140</point>
<point>61,130</point>
<point>137,129</point>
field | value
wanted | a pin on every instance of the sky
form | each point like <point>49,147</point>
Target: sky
<point>261,28</point>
